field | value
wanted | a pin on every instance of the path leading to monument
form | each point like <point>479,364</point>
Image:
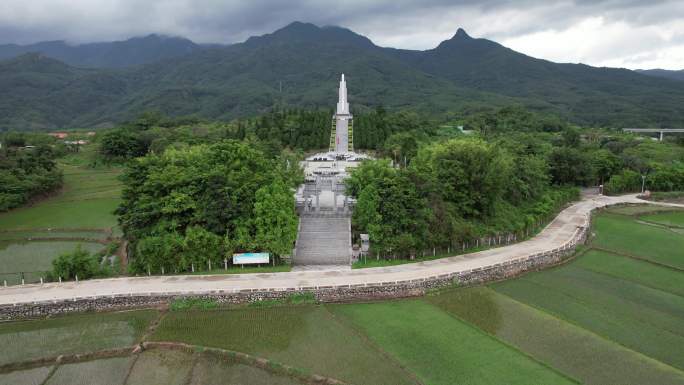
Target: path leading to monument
<point>560,230</point>
<point>323,239</point>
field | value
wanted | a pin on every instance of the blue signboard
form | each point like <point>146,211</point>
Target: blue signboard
<point>250,258</point>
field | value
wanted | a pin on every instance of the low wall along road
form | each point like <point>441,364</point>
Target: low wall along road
<point>554,244</point>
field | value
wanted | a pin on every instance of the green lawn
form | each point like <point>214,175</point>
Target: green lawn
<point>441,349</point>
<point>71,334</point>
<point>571,349</point>
<point>306,337</point>
<point>623,234</point>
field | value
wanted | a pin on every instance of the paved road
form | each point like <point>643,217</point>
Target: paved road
<point>559,231</point>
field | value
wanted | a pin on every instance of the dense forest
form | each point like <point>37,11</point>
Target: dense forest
<point>192,206</point>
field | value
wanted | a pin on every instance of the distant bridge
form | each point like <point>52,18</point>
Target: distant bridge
<point>661,131</point>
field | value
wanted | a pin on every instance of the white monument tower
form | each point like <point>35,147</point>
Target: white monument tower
<point>341,138</point>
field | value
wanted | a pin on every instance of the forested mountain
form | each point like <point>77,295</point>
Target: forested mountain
<point>299,66</point>
<point>668,74</point>
<point>117,54</point>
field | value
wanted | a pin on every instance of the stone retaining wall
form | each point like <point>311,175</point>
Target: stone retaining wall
<point>342,293</point>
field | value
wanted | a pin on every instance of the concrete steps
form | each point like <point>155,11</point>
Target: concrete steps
<point>323,240</point>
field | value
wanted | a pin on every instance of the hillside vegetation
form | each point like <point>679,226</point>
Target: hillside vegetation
<point>299,65</point>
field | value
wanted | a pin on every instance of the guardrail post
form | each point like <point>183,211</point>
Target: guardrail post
<point>4,283</point>
<point>76,278</point>
<point>41,280</point>
<point>162,270</point>
<point>225,263</point>
<point>209,263</point>
<point>60,279</point>
<point>22,281</point>
<point>192,266</point>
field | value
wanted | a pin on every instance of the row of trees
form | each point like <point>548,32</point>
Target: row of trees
<point>201,203</point>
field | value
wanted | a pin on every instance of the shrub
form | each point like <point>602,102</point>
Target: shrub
<point>76,263</point>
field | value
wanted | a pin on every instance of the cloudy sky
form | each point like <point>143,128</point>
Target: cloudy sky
<point>616,33</point>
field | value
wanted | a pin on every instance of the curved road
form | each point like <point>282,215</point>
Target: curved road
<point>560,231</point>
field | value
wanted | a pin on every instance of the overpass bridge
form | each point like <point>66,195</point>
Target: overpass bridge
<point>660,131</point>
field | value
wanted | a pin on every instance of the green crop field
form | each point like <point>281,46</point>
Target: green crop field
<point>307,337</point>
<point>626,235</point>
<point>443,350</point>
<point>212,371</point>
<point>88,201</point>
<point>71,334</point>
<point>674,219</point>
<point>35,376</point>
<point>99,372</point>
<point>83,211</point>
<point>553,341</point>
<point>634,270</point>
<point>161,367</point>
<point>34,256</point>
<point>638,209</point>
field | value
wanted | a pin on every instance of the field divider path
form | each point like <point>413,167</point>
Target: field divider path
<point>559,235</point>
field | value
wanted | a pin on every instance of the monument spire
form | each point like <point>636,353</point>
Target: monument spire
<point>342,104</point>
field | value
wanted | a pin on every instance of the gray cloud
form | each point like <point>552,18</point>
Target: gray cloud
<point>600,28</point>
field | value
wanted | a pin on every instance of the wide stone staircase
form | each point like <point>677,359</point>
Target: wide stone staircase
<point>324,239</point>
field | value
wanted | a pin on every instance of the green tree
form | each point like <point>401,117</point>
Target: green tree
<point>275,219</point>
<point>468,173</point>
<point>78,263</point>
<point>569,166</point>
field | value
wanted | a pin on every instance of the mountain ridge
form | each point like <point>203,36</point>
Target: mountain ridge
<point>298,66</point>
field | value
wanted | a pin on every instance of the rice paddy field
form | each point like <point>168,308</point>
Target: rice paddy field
<point>612,315</point>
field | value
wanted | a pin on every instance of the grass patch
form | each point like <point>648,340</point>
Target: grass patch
<point>193,303</point>
<point>306,337</point>
<point>441,349</point>
<point>571,349</point>
<point>382,262</point>
<point>72,334</point>
<point>246,270</point>
<point>98,372</point>
<point>641,318</point>
<point>624,235</point>
<point>307,298</point>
